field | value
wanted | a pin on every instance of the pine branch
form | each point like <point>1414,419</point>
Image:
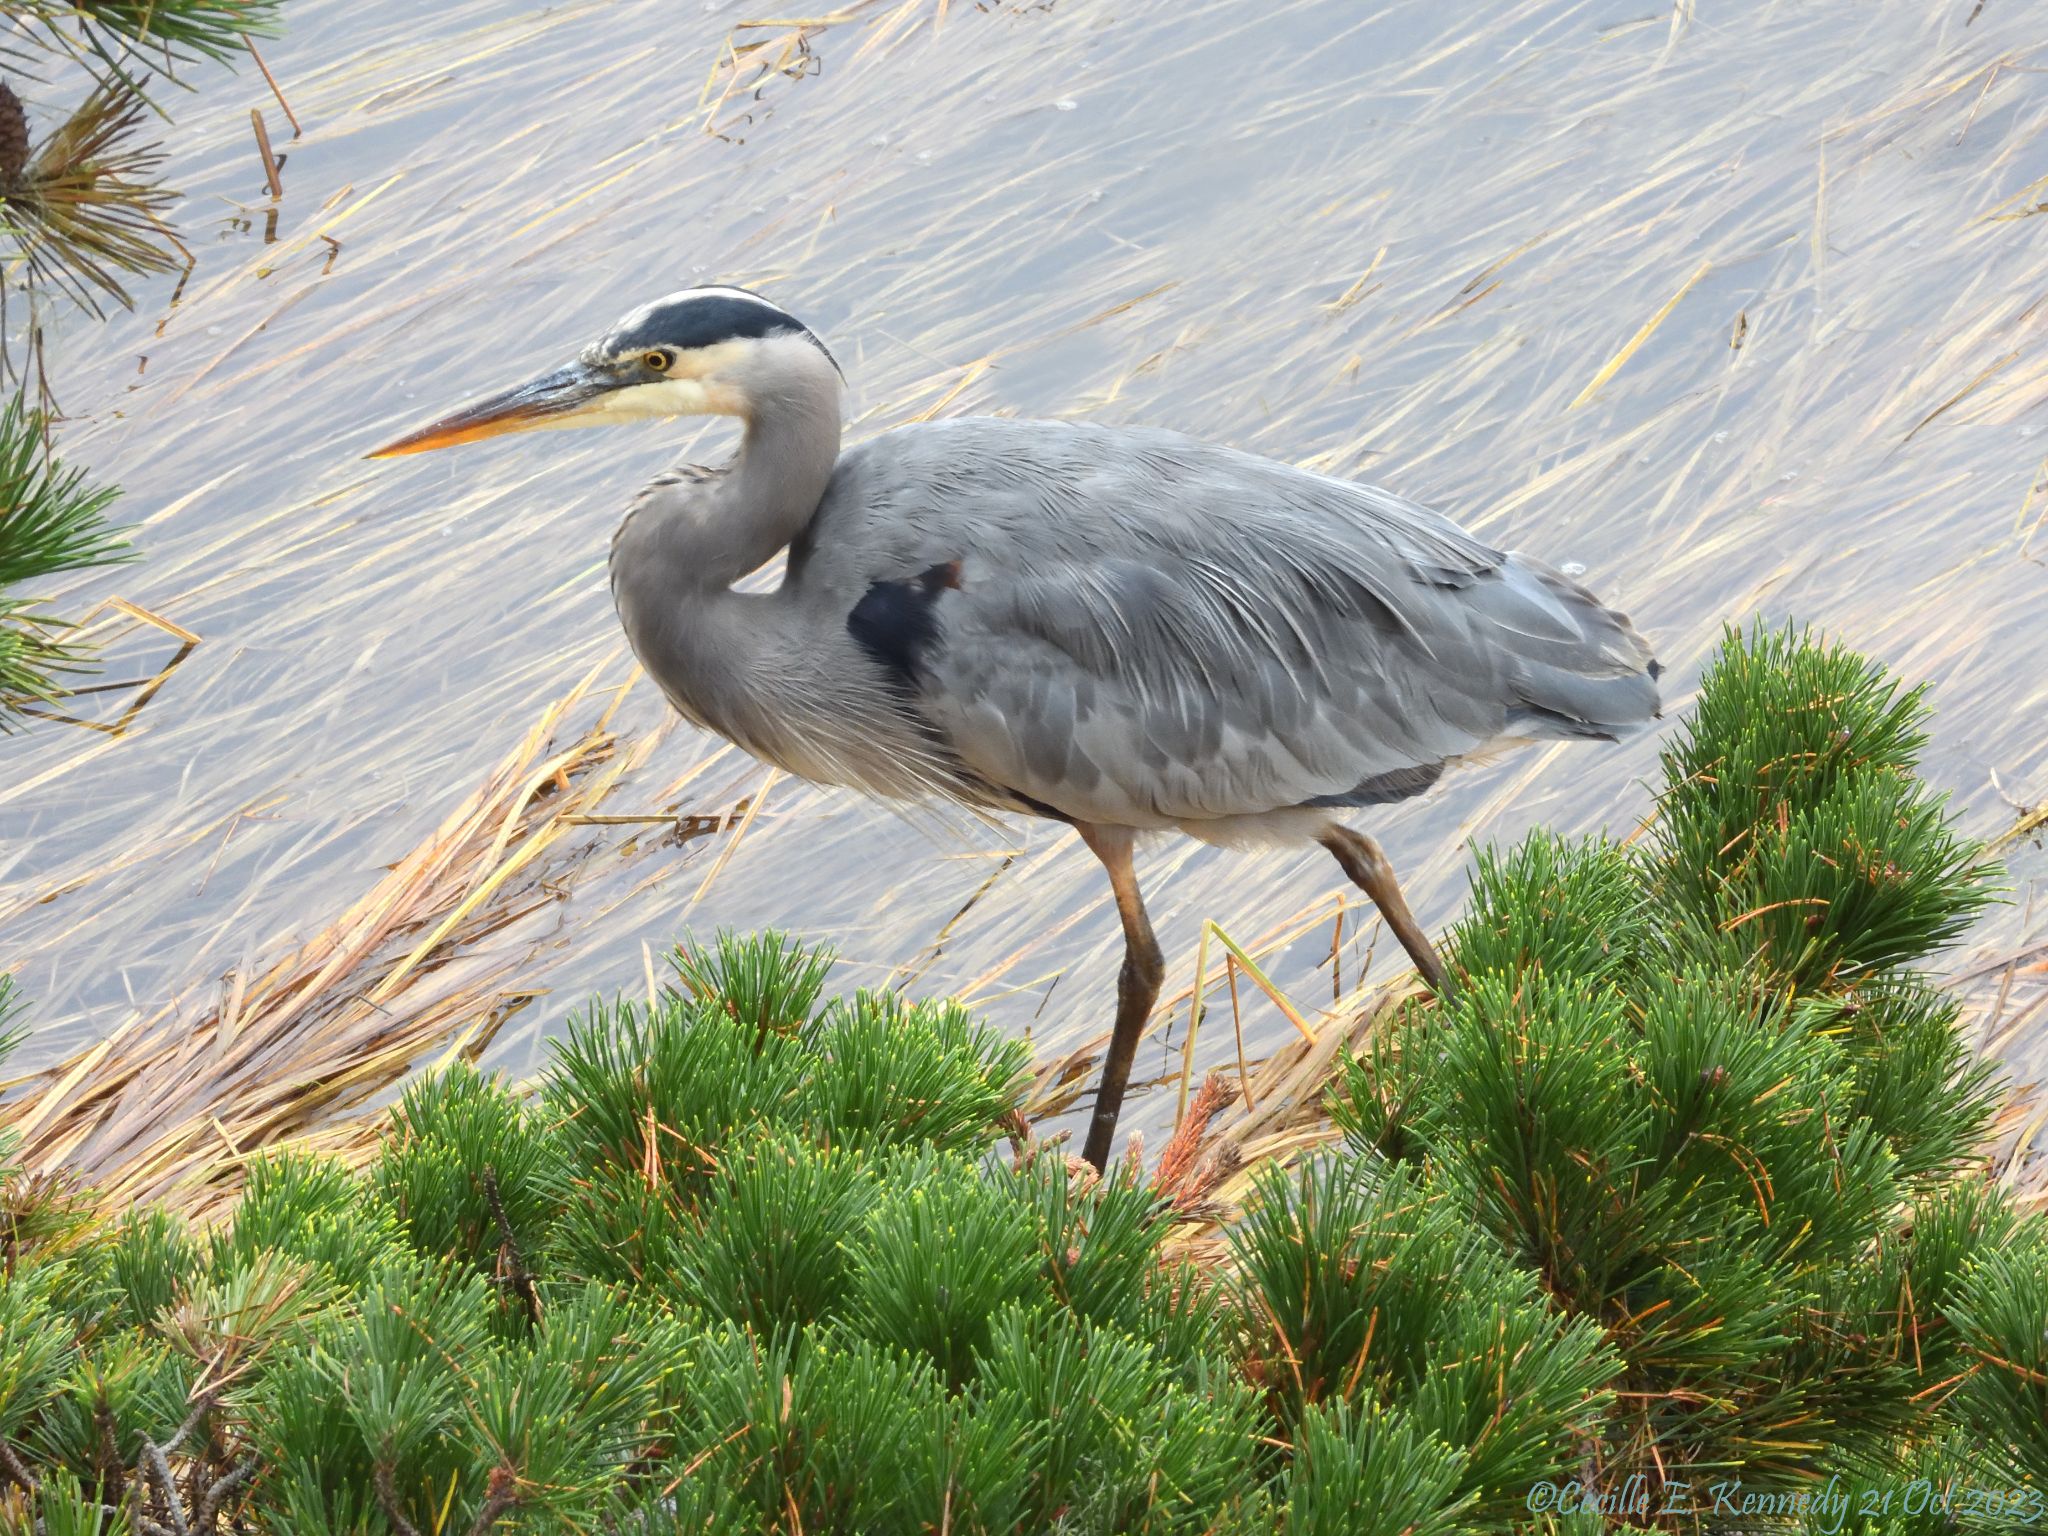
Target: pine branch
<point>160,35</point>
<point>225,1487</point>
<point>154,1465</point>
<point>87,211</point>
<point>508,1247</point>
<point>52,518</point>
<point>15,1468</point>
<point>1620,1214</point>
<point>11,1035</point>
<point>385,1480</point>
<point>500,1498</point>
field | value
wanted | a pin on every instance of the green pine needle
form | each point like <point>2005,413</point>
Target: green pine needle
<point>52,519</point>
<point>156,34</point>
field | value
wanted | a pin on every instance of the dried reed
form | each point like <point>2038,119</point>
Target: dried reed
<point>427,963</point>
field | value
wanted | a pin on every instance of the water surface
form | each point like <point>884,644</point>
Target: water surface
<point>1395,241</point>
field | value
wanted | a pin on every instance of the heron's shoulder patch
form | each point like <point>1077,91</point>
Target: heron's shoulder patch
<point>897,622</point>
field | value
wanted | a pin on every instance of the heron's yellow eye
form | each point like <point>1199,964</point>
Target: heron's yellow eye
<point>660,359</point>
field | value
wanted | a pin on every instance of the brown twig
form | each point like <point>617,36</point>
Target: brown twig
<point>501,1496</point>
<point>1197,1195</point>
<point>11,1464</point>
<point>519,1278</point>
<point>113,1473</point>
<point>1178,1160</point>
<point>275,89</point>
<point>154,1467</point>
<point>224,1487</point>
<point>201,1406</point>
<point>263,148</point>
<point>385,1481</point>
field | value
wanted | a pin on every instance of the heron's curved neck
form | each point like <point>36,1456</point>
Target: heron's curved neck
<point>720,654</point>
<point>764,499</point>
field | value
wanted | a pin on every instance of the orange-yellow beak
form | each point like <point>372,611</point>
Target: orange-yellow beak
<point>553,400</point>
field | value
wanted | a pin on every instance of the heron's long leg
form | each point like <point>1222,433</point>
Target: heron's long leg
<point>1366,863</point>
<point>1137,986</point>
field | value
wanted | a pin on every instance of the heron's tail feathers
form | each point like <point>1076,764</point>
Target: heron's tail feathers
<point>1579,669</point>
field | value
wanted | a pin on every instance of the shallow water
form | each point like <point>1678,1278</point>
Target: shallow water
<point>1394,241</point>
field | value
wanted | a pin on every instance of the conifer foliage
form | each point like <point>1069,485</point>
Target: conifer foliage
<point>1696,1090</point>
<point>81,208</point>
<point>1675,1193</point>
<point>52,519</point>
<point>82,215</point>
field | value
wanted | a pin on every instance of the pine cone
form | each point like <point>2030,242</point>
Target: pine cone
<point>13,137</point>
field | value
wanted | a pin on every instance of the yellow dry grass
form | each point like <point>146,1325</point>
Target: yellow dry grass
<point>425,964</point>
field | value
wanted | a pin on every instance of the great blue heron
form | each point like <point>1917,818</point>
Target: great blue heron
<point>1122,629</point>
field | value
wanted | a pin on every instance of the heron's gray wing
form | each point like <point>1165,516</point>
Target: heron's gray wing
<point>1135,628</point>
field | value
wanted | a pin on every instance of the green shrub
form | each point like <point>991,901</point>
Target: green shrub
<point>1669,1195</point>
<point>1697,1090</point>
<point>1792,824</point>
<point>1361,1286</point>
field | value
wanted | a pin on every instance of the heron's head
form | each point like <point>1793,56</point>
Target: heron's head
<point>701,352</point>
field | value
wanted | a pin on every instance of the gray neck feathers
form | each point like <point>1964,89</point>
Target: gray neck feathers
<point>721,655</point>
<point>767,495</point>
<point>693,535</point>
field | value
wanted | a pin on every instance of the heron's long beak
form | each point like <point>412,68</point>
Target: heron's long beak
<point>552,400</point>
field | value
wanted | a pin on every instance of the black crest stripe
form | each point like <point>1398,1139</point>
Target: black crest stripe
<point>693,320</point>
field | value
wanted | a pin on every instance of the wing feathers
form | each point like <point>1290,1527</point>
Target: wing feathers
<point>1142,629</point>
